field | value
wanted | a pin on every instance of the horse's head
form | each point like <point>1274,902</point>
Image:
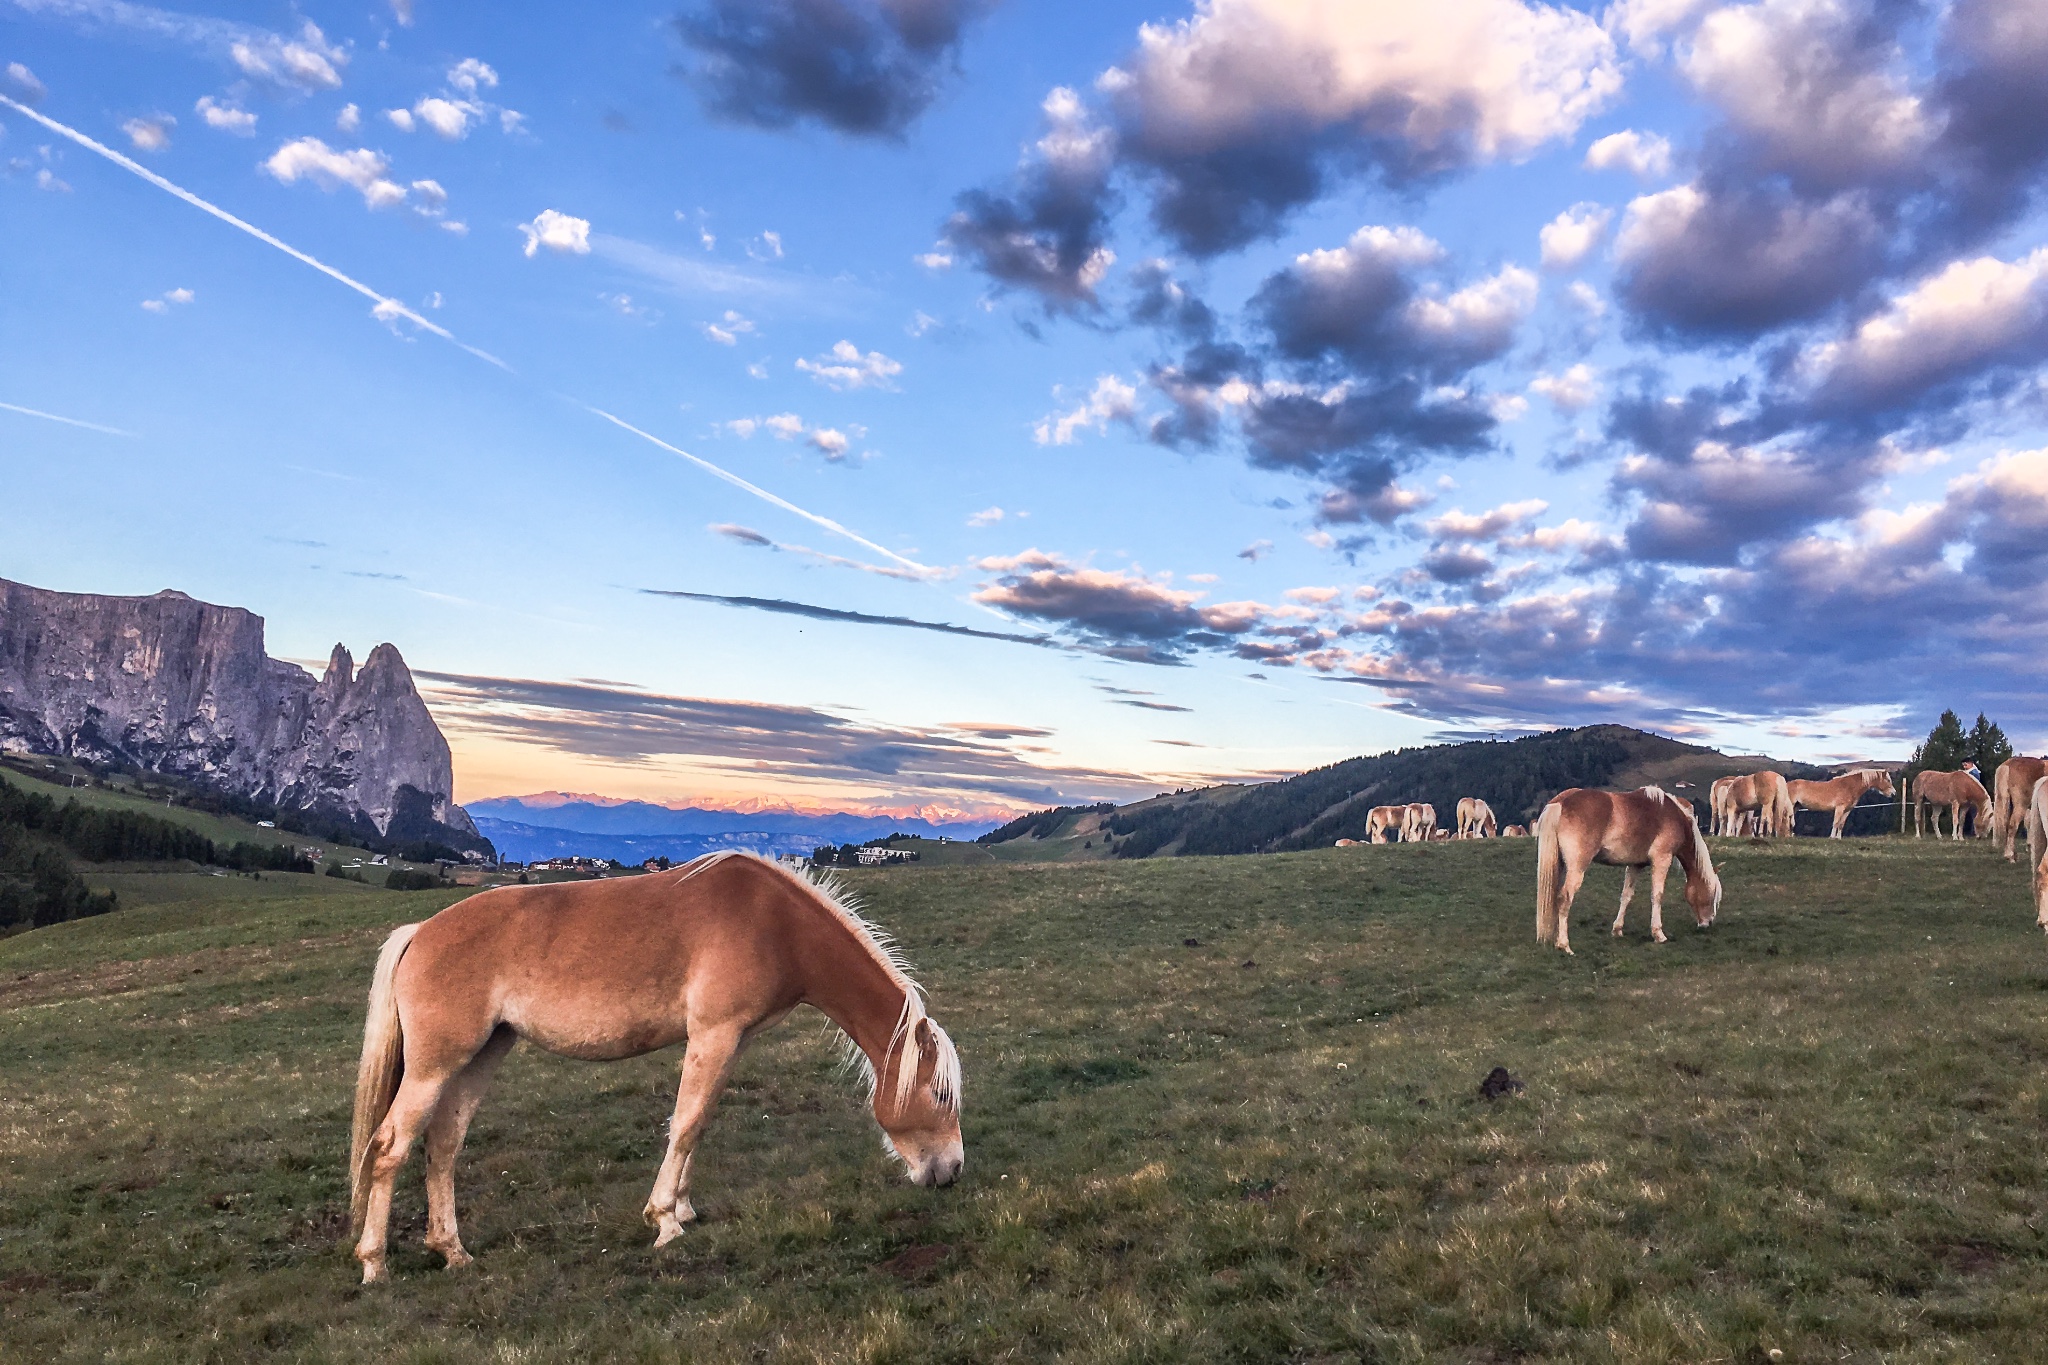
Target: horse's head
<point>1703,894</point>
<point>918,1104</point>
<point>1883,783</point>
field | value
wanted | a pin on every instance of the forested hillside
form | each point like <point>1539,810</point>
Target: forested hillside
<point>1319,807</point>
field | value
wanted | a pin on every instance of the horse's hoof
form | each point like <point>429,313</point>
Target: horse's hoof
<point>1660,938</point>
<point>374,1272</point>
<point>457,1259</point>
<point>669,1232</point>
<point>1616,932</point>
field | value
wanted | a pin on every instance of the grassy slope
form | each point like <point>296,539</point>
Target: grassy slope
<point>223,830</point>
<point>1816,1128</point>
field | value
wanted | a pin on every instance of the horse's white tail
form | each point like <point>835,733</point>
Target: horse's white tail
<point>1548,858</point>
<point>380,1071</point>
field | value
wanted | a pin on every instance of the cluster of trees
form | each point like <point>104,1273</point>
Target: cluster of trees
<point>39,838</point>
<point>1949,746</point>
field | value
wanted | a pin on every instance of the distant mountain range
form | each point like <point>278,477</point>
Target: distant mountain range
<point>526,828</point>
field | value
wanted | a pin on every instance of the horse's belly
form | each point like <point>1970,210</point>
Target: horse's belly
<point>597,1035</point>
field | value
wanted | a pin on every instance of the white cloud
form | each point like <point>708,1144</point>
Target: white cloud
<point>431,194</point>
<point>743,427</point>
<point>557,232</point>
<point>766,247</point>
<point>1640,154</point>
<point>832,443</point>
<point>1572,391</point>
<point>470,74</point>
<point>987,516</point>
<point>1587,298</point>
<point>786,426</point>
<point>230,117</point>
<point>1507,407</point>
<point>180,295</point>
<point>1947,325</point>
<point>1480,318</point>
<point>46,179</point>
<point>935,260</point>
<point>759,369</point>
<point>363,169</point>
<point>309,62</point>
<point>921,323</point>
<point>1457,524</point>
<point>151,134</point>
<point>401,10</point>
<point>349,119</point>
<point>170,296</point>
<point>1112,400</point>
<point>401,119</point>
<point>154,306</point>
<point>510,121</point>
<point>25,84</point>
<point>728,330</point>
<point>1482,78</point>
<point>845,367</point>
<point>449,119</point>
<point>1571,236</point>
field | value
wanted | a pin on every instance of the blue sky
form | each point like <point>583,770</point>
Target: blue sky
<point>1263,382</point>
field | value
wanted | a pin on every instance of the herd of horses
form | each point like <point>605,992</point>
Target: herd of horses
<point>720,950</point>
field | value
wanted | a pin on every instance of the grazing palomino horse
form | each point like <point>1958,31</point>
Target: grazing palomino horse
<point>1475,819</point>
<point>1383,821</point>
<point>1761,794</point>
<point>1418,826</point>
<point>1515,832</point>
<point>1630,830</point>
<point>2012,786</point>
<point>1954,790</point>
<point>714,954</point>
<point>1839,795</point>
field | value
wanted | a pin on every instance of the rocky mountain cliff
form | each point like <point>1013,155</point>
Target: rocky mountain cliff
<point>183,687</point>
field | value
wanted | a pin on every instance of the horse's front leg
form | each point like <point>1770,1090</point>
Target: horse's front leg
<point>706,1065</point>
<point>1659,868</point>
<point>1628,892</point>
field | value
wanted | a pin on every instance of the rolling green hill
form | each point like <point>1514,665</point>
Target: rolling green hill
<point>1318,808</point>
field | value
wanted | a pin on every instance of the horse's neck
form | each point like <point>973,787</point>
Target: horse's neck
<point>849,983</point>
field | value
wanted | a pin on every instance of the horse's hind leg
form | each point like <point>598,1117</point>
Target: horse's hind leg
<point>419,1095</point>
<point>445,1132</point>
<point>1628,893</point>
<point>706,1064</point>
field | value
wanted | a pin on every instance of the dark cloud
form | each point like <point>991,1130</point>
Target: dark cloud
<point>864,67</point>
<point>785,607</point>
<point>1155,706</point>
<point>1837,164</point>
<point>1048,233</point>
<point>1123,615</point>
<point>745,535</point>
<point>759,738</point>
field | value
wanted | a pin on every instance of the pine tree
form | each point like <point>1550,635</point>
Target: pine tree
<point>1946,747</point>
<point>1988,747</point>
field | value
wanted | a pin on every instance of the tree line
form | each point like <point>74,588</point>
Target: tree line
<point>39,838</point>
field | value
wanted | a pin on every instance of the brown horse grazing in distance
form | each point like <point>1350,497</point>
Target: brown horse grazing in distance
<point>1840,795</point>
<point>1475,819</point>
<point>1760,794</point>
<point>1382,822</point>
<point>1956,791</point>
<point>713,954</point>
<point>1630,830</point>
<point>2012,786</point>
<point>1515,832</point>
<point>1347,843</point>
<point>1418,825</point>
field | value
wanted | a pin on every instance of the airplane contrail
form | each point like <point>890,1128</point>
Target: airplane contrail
<point>389,307</point>
<point>67,421</point>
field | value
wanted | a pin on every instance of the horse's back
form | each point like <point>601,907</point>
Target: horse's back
<point>601,969</point>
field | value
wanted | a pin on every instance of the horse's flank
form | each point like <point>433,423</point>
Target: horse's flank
<point>2012,788</point>
<point>1956,791</point>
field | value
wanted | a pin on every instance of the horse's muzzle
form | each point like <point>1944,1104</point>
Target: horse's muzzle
<point>939,1172</point>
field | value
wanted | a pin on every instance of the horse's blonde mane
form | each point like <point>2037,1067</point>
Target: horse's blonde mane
<point>829,891</point>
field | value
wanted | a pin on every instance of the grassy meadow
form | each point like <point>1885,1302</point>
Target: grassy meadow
<point>1217,1109</point>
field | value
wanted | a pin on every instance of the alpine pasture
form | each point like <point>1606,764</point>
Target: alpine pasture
<point>1215,1109</point>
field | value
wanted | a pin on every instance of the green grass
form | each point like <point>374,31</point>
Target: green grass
<point>1816,1128</point>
